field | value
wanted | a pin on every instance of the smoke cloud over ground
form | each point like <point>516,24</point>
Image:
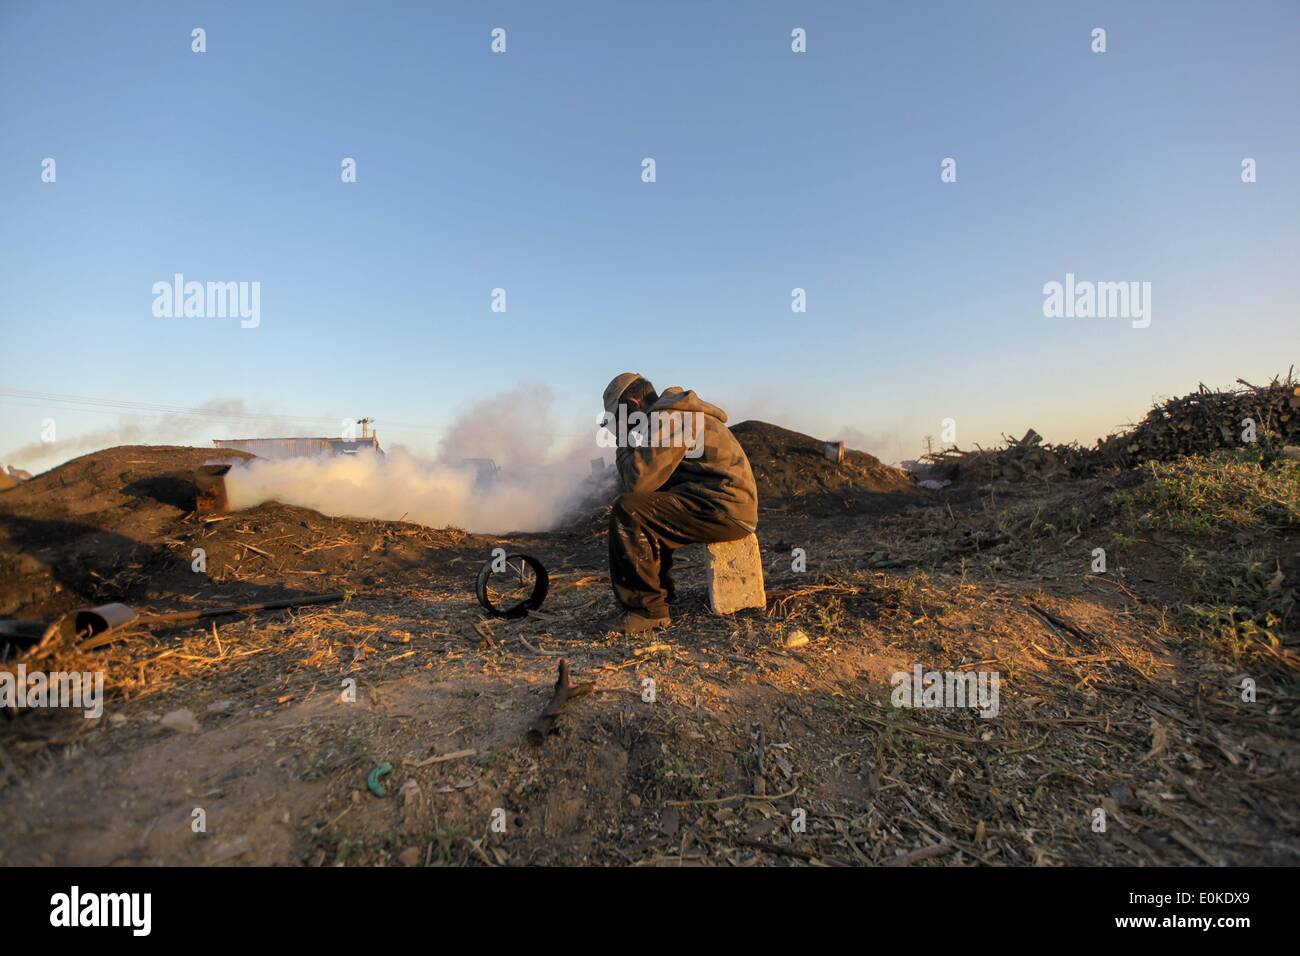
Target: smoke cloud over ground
<point>534,490</point>
<point>229,415</point>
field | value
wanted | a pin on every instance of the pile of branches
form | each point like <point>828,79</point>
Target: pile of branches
<point>1201,422</point>
<point>1017,459</point>
<point>1206,421</point>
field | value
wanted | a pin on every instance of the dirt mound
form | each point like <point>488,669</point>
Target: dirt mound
<point>788,464</point>
<point>792,472</point>
<point>105,482</point>
<point>119,525</point>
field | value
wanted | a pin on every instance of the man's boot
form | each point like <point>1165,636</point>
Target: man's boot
<point>633,622</point>
<point>665,576</point>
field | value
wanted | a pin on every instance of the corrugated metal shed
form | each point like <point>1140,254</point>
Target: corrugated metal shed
<point>300,447</point>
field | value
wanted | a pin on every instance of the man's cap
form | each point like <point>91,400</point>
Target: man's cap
<point>615,389</point>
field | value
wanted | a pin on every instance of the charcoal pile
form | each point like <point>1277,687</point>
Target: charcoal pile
<point>790,464</point>
<point>119,525</point>
<point>1204,421</point>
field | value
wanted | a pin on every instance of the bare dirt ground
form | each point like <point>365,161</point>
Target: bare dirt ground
<point>1110,701</point>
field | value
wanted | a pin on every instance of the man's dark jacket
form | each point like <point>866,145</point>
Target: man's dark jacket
<point>719,474</point>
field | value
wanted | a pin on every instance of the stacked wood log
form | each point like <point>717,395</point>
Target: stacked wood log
<point>1201,422</point>
<point>1206,421</point>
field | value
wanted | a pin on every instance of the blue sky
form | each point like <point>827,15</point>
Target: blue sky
<point>522,170</point>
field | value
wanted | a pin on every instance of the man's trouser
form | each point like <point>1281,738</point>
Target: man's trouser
<point>644,530</point>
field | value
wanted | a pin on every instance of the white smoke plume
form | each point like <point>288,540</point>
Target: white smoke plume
<point>533,492</point>
<point>182,427</point>
<point>885,445</point>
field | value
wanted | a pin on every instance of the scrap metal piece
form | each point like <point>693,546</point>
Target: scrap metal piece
<point>103,623</point>
<point>210,488</point>
<point>93,621</point>
<point>171,617</point>
<point>565,691</point>
<point>531,603</point>
<point>41,637</point>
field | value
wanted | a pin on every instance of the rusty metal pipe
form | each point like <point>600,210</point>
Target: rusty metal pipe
<point>210,489</point>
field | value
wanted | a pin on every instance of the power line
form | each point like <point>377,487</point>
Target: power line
<point>86,403</point>
<point>205,414</point>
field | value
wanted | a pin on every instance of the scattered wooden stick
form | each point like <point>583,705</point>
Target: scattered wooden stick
<point>1090,659</point>
<point>652,649</point>
<point>442,758</point>
<point>1059,625</point>
<point>735,796</point>
<point>915,729</point>
<point>778,850</point>
<point>537,650</point>
<point>924,853</point>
